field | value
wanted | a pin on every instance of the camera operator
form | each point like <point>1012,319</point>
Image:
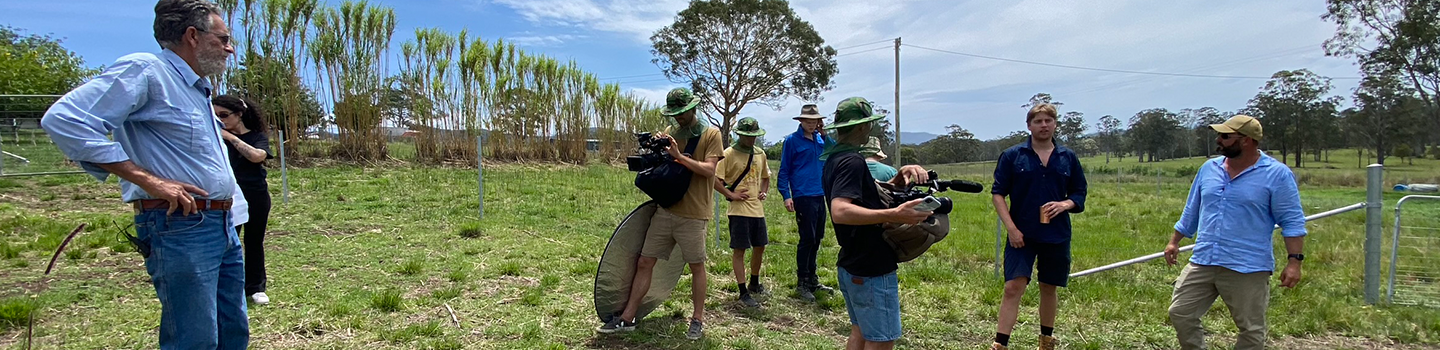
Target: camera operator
<point>866,266</point>
<point>682,224</point>
<point>1045,183</point>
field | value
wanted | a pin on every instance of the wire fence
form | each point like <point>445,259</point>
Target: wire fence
<point>25,150</point>
<point>1414,247</point>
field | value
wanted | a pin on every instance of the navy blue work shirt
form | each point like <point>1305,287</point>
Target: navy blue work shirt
<point>1020,175</point>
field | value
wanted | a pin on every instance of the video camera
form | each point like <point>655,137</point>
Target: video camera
<point>926,190</point>
<point>651,152</point>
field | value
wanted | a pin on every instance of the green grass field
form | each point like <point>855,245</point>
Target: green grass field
<point>376,258</point>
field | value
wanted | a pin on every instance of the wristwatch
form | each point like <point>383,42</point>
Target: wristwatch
<point>1297,257</point>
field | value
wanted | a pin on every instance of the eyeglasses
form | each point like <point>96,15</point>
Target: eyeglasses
<point>1229,135</point>
<point>223,115</point>
<point>224,39</point>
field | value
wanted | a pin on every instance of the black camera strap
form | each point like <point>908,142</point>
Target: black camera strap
<point>735,184</point>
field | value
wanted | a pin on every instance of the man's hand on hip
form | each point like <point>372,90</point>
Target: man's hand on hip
<point>175,192</point>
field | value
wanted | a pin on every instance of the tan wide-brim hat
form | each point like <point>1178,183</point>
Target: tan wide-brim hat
<point>809,112</point>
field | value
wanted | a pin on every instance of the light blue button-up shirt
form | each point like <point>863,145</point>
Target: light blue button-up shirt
<point>1236,218</point>
<point>159,112</point>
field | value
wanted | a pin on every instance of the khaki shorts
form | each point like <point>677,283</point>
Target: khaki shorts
<point>668,230</point>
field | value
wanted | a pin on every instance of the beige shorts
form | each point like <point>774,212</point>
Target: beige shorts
<point>668,230</point>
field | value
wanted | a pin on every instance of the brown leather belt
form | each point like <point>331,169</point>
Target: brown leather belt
<point>200,204</point>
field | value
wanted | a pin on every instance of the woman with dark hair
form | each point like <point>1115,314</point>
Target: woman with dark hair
<point>249,147</point>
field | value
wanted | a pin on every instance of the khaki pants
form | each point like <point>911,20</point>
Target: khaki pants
<point>1246,294</point>
<point>668,230</point>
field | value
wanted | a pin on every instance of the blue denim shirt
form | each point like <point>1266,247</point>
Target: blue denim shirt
<point>1236,218</point>
<point>159,112</point>
<point>800,165</point>
<point>1029,184</point>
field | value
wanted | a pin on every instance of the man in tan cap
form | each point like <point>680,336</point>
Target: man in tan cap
<point>799,184</point>
<point>1234,205</point>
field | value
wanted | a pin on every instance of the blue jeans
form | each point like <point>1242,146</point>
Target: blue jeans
<point>873,304</point>
<point>196,265</point>
<point>810,217</point>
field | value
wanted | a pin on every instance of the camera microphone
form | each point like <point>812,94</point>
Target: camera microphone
<point>962,186</point>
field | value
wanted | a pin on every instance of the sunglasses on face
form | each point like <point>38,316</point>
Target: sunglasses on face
<point>1229,135</point>
<point>223,115</point>
<point>224,39</point>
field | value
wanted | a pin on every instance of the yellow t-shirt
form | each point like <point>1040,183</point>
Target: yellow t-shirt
<point>730,168</point>
<point>698,202</point>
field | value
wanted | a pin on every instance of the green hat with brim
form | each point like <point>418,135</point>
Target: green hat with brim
<point>854,111</point>
<point>748,126</point>
<point>678,101</point>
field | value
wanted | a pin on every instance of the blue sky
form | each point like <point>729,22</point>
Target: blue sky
<point>610,38</point>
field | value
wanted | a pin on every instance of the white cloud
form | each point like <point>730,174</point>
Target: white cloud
<point>638,19</point>
<point>532,40</point>
<point>1224,37</point>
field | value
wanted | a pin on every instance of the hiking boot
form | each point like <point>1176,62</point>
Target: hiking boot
<point>696,331</point>
<point>997,346</point>
<point>1048,342</point>
<point>823,288</point>
<point>805,294</point>
<point>757,288</point>
<point>748,300</point>
<point>616,324</point>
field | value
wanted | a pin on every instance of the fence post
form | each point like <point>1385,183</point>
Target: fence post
<point>1157,181</point>
<point>284,173</point>
<point>999,244</point>
<point>715,199</point>
<point>480,172</point>
<point>2,154</point>
<point>1373,204</point>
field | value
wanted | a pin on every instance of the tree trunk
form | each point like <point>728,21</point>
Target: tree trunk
<point>1380,154</point>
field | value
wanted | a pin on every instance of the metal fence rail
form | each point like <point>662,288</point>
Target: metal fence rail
<point>1316,216</point>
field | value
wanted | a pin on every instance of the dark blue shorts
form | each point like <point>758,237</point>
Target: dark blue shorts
<point>1051,261</point>
<point>747,232</point>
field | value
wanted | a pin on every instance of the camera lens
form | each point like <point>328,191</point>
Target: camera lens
<point>945,205</point>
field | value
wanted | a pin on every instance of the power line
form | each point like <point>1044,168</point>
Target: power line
<point>864,51</point>
<point>855,46</point>
<point>1099,69</point>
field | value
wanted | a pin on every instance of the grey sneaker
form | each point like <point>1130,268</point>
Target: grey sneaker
<point>748,300</point>
<point>805,294</point>
<point>696,331</point>
<point>616,324</point>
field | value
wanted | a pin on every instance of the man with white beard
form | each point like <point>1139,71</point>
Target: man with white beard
<point>173,170</point>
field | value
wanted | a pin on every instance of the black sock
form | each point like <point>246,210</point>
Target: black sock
<point>1002,338</point>
<point>755,279</point>
<point>743,291</point>
<point>1047,331</point>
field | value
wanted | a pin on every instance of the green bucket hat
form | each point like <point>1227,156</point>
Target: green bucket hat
<point>853,111</point>
<point>748,126</point>
<point>872,148</point>
<point>679,100</point>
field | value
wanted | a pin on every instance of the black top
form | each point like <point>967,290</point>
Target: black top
<point>250,174</point>
<point>863,251</point>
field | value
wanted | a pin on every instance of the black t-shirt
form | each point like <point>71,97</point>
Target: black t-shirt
<point>863,251</point>
<point>247,173</point>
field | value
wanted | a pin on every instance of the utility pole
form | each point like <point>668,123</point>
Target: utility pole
<point>897,104</point>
